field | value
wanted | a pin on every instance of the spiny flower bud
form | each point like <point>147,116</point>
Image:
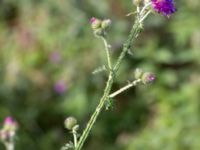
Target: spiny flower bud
<point>70,123</point>
<point>106,24</point>
<point>138,73</point>
<point>95,23</point>
<point>148,78</point>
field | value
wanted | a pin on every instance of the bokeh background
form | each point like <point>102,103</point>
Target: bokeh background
<point>48,53</point>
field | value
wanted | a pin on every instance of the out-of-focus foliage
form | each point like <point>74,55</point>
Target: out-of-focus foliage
<point>48,54</point>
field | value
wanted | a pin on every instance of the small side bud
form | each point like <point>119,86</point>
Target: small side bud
<point>70,123</point>
<point>95,23</point>
<point>138,73</point>
<point>148,78</point>
<point>106,24</point>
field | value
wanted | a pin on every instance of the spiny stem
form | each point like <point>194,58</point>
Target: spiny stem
<point>136,29</point>
<point>96,113</point>
<point>107,52</point>
<point>134,83</point>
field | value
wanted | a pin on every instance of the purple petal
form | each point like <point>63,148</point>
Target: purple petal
<point>164,7</point>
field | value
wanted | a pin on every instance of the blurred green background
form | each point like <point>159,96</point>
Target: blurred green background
<point>48,53</point>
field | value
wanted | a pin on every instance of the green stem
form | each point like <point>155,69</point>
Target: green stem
<point>131,84</point>
<point>75,138</point>
<point>107,53</point>
<point>96,113</point>
<point>136,29</point>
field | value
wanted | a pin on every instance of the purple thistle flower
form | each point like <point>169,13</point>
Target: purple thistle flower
<point>164,7</point>
<point>60,87</point>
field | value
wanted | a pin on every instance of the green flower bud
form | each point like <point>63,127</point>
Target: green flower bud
<point>70,123</point>
<point>148,78</point>
<point>138,73</point>
<point>106,24</point>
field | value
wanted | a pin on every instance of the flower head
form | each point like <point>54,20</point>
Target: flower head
<point>164,7</point>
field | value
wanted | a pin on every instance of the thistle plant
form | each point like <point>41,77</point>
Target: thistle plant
<point>101,28</point>
<point>8,132</point>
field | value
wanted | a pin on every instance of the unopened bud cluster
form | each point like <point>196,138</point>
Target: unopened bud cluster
<point>146,77</point>
<point>100,27</point>
<point>8,130</point>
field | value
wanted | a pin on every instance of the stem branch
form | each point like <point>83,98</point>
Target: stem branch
<point>134,83</point>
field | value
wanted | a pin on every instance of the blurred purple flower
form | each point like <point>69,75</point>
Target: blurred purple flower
<point>165,7</point>
<point>60,87</point>
<point>55,57</point>
<point>9,128</point>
